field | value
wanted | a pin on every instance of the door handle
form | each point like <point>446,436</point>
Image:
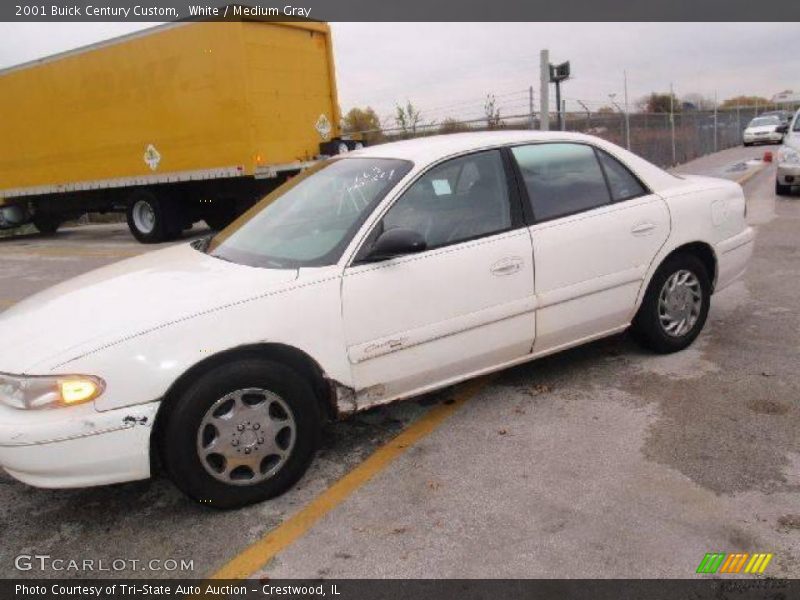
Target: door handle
<point>506,266</point>
<point>642,228</point>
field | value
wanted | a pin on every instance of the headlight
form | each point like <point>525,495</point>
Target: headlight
<point>788,155</point>
<point>48,391</point>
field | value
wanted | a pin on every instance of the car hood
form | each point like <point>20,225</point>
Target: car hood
<point>121,300</point>
<point>762,129</point>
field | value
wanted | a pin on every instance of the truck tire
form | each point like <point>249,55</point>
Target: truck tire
<point>150,219</point>
<point>782,190</point>
<point>47,224</point>
<point>243,432</point>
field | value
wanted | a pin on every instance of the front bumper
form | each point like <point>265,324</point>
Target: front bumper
<point>788,174</point>
<point>76,446</point>
<point>772,138</point>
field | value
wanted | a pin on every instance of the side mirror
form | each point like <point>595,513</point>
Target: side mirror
<point>396,242</point>
<point>782,128</point>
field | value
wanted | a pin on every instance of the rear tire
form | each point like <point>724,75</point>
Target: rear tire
<point>47,224</point>
<point>257,411</point>
<point>675,306</point>
<point>782,190</point>
<point>150,219</point>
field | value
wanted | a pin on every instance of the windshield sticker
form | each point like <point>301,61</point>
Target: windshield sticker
<point>152,157</point>
<point>441,187</point>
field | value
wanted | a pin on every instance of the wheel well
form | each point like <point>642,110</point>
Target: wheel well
<point>705,253</point>
<point>293,358</point>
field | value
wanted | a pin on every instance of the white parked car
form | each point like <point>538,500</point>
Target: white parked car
<point>788,172</point>
<point>764,130</point>
<point>380,275</point>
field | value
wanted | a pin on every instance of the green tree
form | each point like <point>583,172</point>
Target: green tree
<point>364,121</point>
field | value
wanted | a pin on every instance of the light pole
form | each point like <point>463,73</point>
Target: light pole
<point>627,114</point>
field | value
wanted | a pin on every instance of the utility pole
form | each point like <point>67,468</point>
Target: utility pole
<point>715,120</point>
<point>672,123</point>
<point>530,105</point>
<point>552,74</point>
<point>627,115</point>
<point>559,118</point>
<point>611,98</point>
<point>739,118</point>
<point>544,91</point>
<point>588,114</point>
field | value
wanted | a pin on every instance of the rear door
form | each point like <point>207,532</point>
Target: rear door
<point>463,305</point>
<point>596,230</point>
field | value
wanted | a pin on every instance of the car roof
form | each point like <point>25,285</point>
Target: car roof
<point>431,148</point>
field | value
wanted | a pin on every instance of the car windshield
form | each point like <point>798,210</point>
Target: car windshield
<point>309,220</point>
<point>764,121</point>
<point>796,126</point>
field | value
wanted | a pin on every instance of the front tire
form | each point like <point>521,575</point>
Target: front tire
<point>244,432</point>
<point>675,306</point>
<point>782,190</point>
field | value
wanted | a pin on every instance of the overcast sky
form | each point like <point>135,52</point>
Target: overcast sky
<point>446,69</point>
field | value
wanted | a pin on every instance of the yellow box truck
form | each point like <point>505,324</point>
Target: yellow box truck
<point>175,124</point>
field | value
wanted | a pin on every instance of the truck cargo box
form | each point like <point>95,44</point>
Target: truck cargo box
<point>183,102</point>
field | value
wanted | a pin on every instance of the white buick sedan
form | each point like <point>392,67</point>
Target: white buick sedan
<point>371,277</point>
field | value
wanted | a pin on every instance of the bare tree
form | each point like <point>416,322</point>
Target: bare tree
<point>407,118</point>
<point>492,113</point>
<point>451,125</point>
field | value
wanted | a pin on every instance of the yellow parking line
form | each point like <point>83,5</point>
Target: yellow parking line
<point>747,177</point>
<point>258,554</point>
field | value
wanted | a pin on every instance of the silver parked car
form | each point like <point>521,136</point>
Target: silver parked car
<point>788,173</point>
<point>763,130</point>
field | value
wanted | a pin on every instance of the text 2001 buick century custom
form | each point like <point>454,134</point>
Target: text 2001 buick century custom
<point>379,275</point>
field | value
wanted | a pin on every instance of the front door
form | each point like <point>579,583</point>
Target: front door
<point>463,305</point>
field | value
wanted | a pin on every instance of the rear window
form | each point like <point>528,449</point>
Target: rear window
<point>624,184</point>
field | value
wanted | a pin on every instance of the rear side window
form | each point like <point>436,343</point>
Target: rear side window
<point>622,182</point>
<point>561,179</point>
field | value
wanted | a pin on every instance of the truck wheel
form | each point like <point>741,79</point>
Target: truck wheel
<point>782,190</point>
<point>675,305</point>
<point>150,220</point>
<point>244,432</point>
<point>47,224</point>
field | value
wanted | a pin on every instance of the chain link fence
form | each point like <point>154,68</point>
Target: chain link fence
<point>662,138</point>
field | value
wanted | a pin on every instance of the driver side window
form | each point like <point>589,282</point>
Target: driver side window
<point>461,199</point>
